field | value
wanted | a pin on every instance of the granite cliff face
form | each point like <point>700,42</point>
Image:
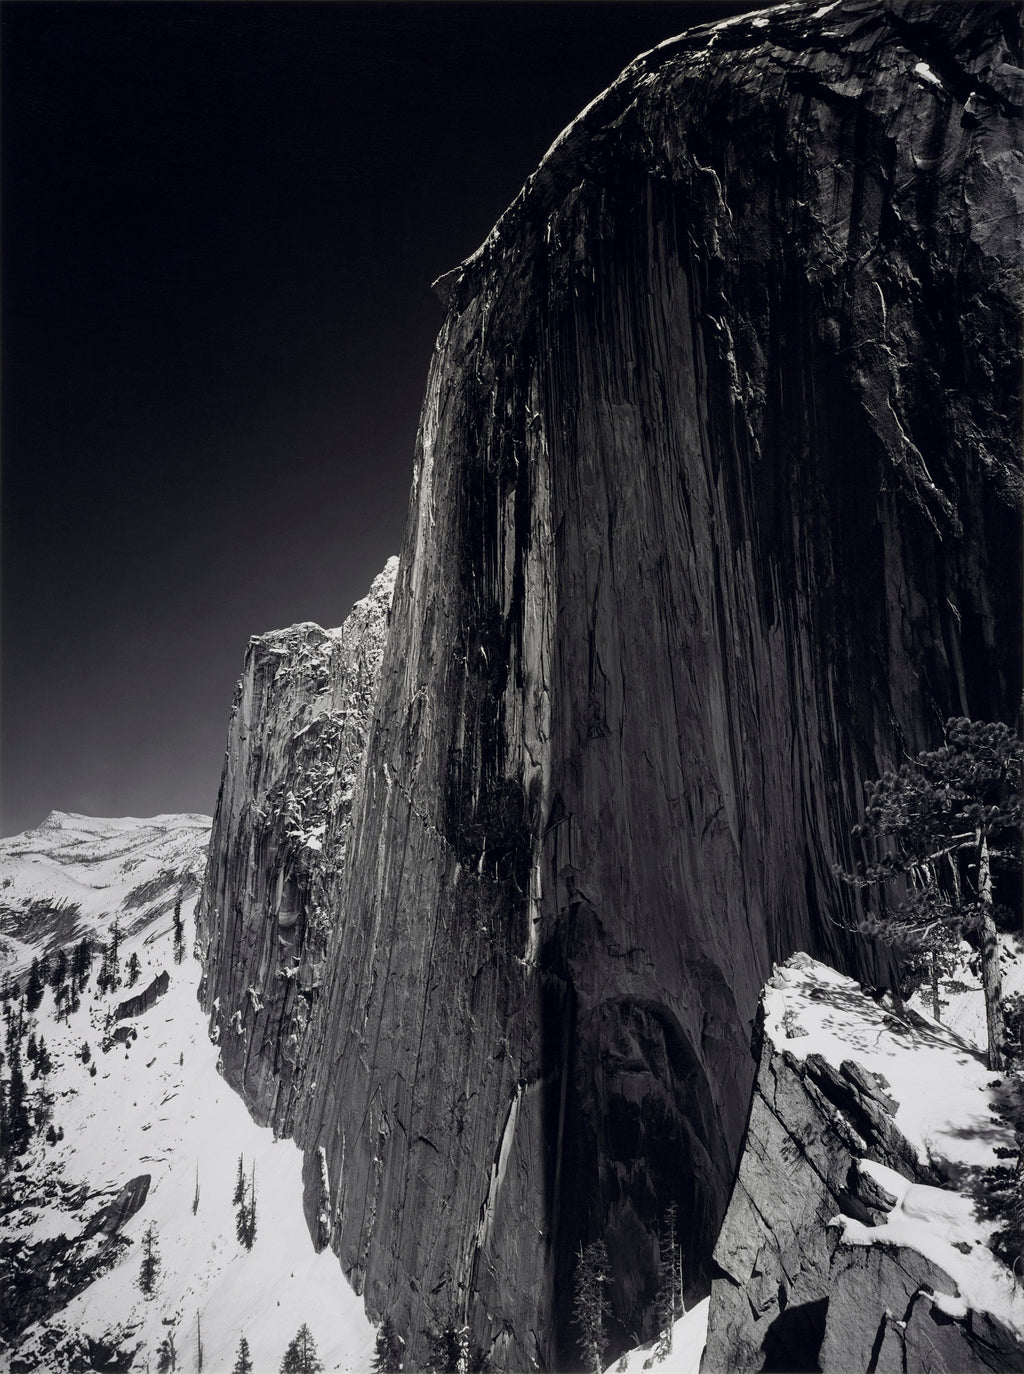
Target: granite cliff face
<point>292,771</point>
<point>716,510</point>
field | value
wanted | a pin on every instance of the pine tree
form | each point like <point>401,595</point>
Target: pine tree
<point>447,1346</point>
<point>301,1356</point>
<point>58,970</point>
<point>243,1362</point>
<point>150,1266</point>
<point>34,987</point>
<point>953,818</point>
<point>590,1304</point>
<point>239,1195</point>
<point>387,1357</point>
<point>42,1113</point>
<point>115,961</point>
<point>44,1064</point>
<point>103,980</point>
<point>670,1287</point>
<point>179,931</point>
<point>134,969</point>
<point>195,1199</point>
<point>245,1217</point>
<point>18,1123</point>
<point>81,964</point>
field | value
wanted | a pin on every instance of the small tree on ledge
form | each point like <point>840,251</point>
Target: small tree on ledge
<point>950,817</point>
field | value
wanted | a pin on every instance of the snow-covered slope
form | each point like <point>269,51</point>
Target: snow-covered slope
<point>150,1106</point>
<point>689,1333</point>
<point>73,874</point>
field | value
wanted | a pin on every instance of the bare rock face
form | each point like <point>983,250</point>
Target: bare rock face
<point>716,511</point>
<point>293,769</point>
<point>794,1289</point>
<point>142,1001</point>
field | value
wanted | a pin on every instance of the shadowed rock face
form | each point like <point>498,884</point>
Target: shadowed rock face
<point>716,511</point>
<point>293,767</point>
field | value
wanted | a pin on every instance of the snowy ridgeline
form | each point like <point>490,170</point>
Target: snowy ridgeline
<point>149,1105</point>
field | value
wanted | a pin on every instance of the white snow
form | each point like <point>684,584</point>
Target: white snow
<point>939,1081</point>
<point>103,867</point>
<point>925,72</point>
<point>945,1097</point>
<point>936,1222</point>
<point>689,1335</point>
<point>160,1107</point>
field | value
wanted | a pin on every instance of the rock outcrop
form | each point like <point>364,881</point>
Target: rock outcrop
<point>39,1278</point>
<point>142,1001</point>
<point>291,776</point>
<point>716,511</point>
<point>825,1262</point>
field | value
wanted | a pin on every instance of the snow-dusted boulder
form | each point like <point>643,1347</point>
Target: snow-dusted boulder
<point>847,1244</point>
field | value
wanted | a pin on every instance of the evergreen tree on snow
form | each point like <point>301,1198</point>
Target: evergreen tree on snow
<point>387,1354</point>
<point>239,1195</point>
<point>243,1361</point>
<point>245,1217</point>
<point>134,968</point>
<point>44,1064</point>
<point>590,1304</point>
<point>301,1356</point>
<point>34,987</point>
<point>58,970</point>
<point>150,1266</point>
<point>179,931</point>
<point>17,1122</point>
<point>670,1282</point>
<point>81,963</point>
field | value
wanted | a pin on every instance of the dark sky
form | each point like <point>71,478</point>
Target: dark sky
<point>219,228</point>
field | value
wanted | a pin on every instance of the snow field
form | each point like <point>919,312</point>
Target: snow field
<point>160,1107</point>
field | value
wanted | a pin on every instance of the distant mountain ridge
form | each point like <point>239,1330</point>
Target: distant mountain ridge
<point>72,874</point>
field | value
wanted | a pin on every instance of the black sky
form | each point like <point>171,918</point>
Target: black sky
<point>219,228</point>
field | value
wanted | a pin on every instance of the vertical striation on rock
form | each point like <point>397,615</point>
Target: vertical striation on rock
<point>716,509</point>
<point>292,773</point>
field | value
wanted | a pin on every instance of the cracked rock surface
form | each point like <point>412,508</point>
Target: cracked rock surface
<point>816,1266</point>
<point>716,512</point>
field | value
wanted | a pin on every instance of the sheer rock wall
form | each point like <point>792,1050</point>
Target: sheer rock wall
<point>293,767</point>
<point>716,510</point>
